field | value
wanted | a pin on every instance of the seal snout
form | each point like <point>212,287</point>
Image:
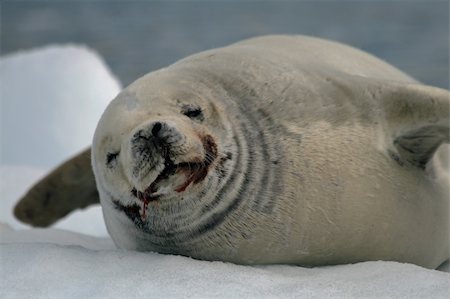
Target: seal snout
<point>152,147</point>
<point>167,157</point>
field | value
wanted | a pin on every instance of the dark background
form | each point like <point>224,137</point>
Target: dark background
<point>135,37</point>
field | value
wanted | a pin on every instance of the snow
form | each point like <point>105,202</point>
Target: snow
<point>66,265</point>
<point>51,99</point>
<point>47,95</point>
<point>76,259</point>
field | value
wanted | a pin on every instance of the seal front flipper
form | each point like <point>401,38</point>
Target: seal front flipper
<point>70,186</point>
<point>418,117</point>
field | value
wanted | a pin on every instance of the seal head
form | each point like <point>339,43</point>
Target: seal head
<point>162,154</point>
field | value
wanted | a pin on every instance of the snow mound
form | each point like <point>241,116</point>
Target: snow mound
<point>58,264</point>
<point>51,99</point>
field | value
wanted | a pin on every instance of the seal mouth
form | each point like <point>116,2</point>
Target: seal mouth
<point>194,172</point>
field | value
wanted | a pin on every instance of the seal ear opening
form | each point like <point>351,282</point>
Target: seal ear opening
<point>68,187</point>
<point>419,146</point>
<point>419,119</point>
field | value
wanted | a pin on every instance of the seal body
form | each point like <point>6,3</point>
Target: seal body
<point>279,149</point>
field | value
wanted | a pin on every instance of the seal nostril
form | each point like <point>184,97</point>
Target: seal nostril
<point>156,128</point>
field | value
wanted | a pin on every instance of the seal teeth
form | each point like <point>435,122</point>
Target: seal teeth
<point>145,196</point>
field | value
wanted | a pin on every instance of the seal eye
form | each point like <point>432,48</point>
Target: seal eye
<point>111,159</point>
<point>192,111</point>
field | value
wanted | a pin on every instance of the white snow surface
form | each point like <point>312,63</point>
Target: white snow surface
<point>60,264</point>
<point>76,258</point>
<point>51,100</point>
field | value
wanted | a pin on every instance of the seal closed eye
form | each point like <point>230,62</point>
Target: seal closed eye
<point>192,111</point>
<point>278,149</point>
<point>111,158</point>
